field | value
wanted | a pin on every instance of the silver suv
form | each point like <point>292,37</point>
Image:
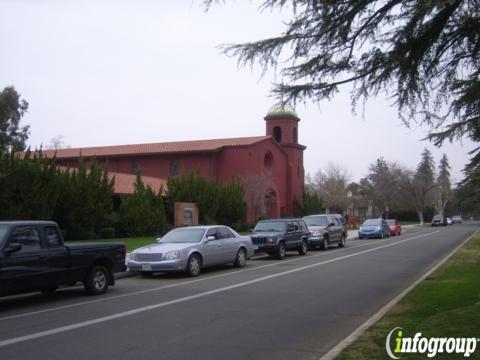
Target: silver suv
<point>326,229</point>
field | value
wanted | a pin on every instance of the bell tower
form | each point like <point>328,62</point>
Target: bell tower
<point>282,125</point>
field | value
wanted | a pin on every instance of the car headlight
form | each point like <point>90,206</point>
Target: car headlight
<point>317,233</point>
<point>172,255</point>
<point>132,256</point>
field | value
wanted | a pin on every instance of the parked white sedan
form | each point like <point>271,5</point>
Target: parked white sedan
<point>190,249</point>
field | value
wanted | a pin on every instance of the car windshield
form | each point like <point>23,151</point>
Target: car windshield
<point>391,222</point>
<point>183,236</point>
<point>3,232</point>
<point>316,220</point>
<point>271,226</point>
<point>372,222</point>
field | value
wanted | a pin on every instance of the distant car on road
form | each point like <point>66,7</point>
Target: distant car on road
<point>276,236</point>
<point>394,227</point>
<point>439,220</point>
<point>457,219</point>
<point>449,221</point>
<point>191,249</point>
<point>373,228</point>
<point>325,230</point>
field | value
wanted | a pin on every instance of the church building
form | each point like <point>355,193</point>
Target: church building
<point>269,166</point>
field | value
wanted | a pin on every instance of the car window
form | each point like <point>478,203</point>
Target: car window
<point>267,226</point>
<point>303,226</point>
<point>183,235</point>
<point>52,237</point>
<point>336,222</point>
<point>27,236</point>
<point>225,233</point>
<point>316,220</point>
<point>291,226</point>
<point>213,232</point>
<point>296,225</point>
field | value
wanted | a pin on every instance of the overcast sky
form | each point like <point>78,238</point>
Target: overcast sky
<point>126,72</point>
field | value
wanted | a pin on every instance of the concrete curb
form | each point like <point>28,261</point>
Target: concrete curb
<point>337,349</point>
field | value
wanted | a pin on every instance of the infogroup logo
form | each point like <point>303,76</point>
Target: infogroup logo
<point>430,346</point>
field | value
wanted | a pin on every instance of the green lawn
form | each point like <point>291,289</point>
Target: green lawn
<point>131,243</point>
<point>446,304</point>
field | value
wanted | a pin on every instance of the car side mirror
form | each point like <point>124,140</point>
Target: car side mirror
<point>158,240</point>
<point>12,248</point>
<point>210,238</point>
<point>331,224</point>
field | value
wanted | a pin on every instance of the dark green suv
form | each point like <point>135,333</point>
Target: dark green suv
<point>277,236</point>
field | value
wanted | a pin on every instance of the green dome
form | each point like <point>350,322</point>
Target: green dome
<point>282,109</point>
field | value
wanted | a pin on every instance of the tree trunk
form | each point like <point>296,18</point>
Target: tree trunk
<point>420,216</point>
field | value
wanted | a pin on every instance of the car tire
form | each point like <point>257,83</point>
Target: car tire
<point>302,250</point>
<point>97,280</point>
<point>241,258</point>
<point>280,253</point>
<point>194,265</point>
<point>146,274</point>
<point>325,243</point>
<point>341,243</point>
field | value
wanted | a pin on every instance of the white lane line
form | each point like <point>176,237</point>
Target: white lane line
<point>82,324</point>
<point>140,292</point>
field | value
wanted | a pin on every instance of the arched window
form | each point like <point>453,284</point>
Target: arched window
<point>277,134</point>
<point>268,160</point>
<point>295,135</point>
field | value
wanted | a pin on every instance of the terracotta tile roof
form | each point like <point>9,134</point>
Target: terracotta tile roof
<point>125,183</point>
<point>155,148</point>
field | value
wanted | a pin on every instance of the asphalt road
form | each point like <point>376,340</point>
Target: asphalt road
<point>298,308</point>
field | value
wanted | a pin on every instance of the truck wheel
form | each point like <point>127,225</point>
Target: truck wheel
<point>241,258</point>
<point>194,265</point>
<point>302,250</point>
<point>280,253</point>
<point>342,241</point>
<point>97,280</point>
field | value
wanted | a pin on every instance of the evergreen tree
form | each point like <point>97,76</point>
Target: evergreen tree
<point>443,191</point>
<point>418,186</point>
<point>142,213</point>
<point>12,108</point>
<point>420,54</point>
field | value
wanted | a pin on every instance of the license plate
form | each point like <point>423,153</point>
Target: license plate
<point>146,267</point>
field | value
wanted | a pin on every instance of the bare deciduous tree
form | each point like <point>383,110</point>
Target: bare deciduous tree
<point>256,186</point>
<point>331,185</point>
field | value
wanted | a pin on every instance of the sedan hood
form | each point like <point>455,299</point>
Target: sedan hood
<point>163,247</point>
<point>317,228</point>
<point>369,227</point>
<point>266,234</point>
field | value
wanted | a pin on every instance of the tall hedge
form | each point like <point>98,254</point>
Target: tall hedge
<point>34,188</point>
<point>217,203</point>
<point>143,212</point>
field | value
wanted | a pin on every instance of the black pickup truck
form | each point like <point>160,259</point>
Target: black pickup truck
<point>33,257</point>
